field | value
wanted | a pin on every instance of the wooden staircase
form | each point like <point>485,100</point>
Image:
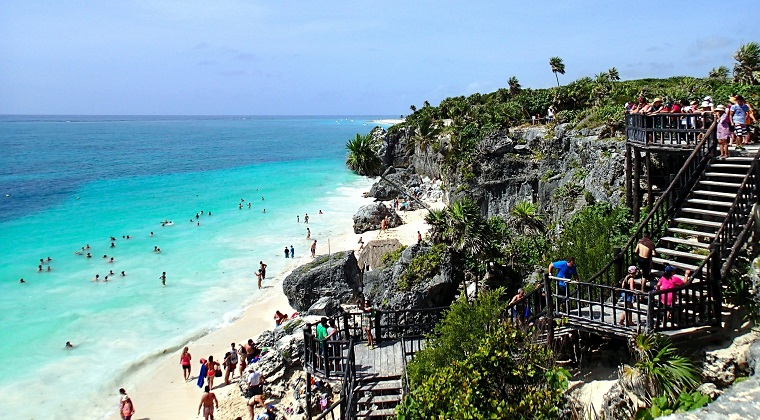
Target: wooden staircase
<point>377,397</point>
<point>687,239</point>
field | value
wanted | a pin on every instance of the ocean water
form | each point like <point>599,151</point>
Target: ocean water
<point>66,182</point>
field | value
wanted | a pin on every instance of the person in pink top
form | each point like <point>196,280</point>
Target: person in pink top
<point>669,281</point>
<point>724,130</point>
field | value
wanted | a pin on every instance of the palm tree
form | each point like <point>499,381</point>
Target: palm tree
<point>413,108</point>
<point>525,218</point>
<point>659,370</point>
<point>514,86</point>
<point>362,157</point>
<point>721,73</point>
<point>426,104</point>
<point>613,74</point>
<point>747,66</point>
<point>557,67</point>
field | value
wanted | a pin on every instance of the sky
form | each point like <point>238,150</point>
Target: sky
<point>313,57</point>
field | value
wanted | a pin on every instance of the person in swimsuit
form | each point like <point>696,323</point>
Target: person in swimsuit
<point>184,361</point>
<point>644,252</point>
<point>126,407</point>
<point>308,233</point>
<point>314,248</point>
<point>211,368</point>
<point>263,269</point>
<point>208,401</point>
<point>258,278</point>
<point>241,359</point>
<point>230,363</point>
<point>163,278</point>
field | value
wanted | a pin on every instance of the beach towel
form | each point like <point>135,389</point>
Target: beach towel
<point>202,376</point>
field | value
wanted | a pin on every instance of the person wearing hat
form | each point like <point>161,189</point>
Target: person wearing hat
<point>629,284</point>
<point>723,130</point>
<point>738,114</point>
<point>652,108</point>
<point>669,281</point>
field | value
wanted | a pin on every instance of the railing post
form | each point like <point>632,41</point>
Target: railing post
<point>715,283</point>
<point>618,272</point>
<point>325,352</point>
<point>628,175</point>
<point>549,310</point>
<point>650,311</point>
<point>346,331</point>
<point>378,330</point>
<point>308,395</point>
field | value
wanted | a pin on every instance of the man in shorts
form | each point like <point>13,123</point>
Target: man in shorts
<point>566,269</point>
<point>255,391</point>
<point>208,401</point>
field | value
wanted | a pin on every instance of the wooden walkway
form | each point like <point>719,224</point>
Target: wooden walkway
<point>387,359</point>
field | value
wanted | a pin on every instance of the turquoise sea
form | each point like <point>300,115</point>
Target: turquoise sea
<point>68,181</point>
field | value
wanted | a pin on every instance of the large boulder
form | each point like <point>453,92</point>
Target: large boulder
<point>334,277</point>
<point>394,183</point>
<point>370,216</point>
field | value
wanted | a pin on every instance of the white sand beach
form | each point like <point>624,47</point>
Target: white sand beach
<point>162,393</point>
<point>389,121</point>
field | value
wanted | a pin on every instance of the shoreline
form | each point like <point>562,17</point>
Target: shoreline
<point>162,393</point>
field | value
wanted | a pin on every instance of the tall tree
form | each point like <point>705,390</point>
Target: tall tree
<point>557,67</point>
<point>413,108</point>
<point>721,73</point>
<point>747,66</point>
<point>514,86</point>
<point>613,74</point>
<point>362,158</point>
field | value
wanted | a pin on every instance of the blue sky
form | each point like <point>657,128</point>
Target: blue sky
<point>285,57</point>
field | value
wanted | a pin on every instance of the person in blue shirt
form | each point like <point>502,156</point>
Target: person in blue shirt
<point>566,269</point>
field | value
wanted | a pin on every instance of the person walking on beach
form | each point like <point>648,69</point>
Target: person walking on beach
<point>208,401</point>
<point>211,368</point>
<point>287,252</point>
<point>258,278</point>
<point>314,248</point>
<point>163,278</point>
<point>263,269</point>
<point>308,233</point>
<point>184,361</point>
<point>126,407</point>
<point>292,252</point>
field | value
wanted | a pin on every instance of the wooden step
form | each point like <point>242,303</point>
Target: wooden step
<point>710,202</point>
<point>697,222</point>
<point>685,242</point>
<point>721,214</point>
<point>676,264</point>
<point>380,399</point>
<point>383,412</point>
<point>720,184</point>
<point>726,175</point>
<point>379,386</point>
<point>714,194</point>
<point>739,159</point>
<point>690,232</point>
<point>729,166</point>
<point>667,251</point>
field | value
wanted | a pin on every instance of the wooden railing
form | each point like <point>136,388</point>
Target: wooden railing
<point>345,407</point>
<point>663,209</point>
<point>676,130</point>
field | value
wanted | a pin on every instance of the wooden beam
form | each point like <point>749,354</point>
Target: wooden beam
<point>636,184</point>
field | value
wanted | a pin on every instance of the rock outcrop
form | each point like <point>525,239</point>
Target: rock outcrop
<point>370,217</point>
<point>334,278</point>
<point>386,289</point>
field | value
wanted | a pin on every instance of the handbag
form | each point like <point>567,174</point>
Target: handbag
<point>218,373</point>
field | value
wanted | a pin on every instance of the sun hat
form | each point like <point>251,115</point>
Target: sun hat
<point>669,269</point>
<point>632,269</point>
<point>657,100</point>
<point>705,104</point>
<point>707,98</point>
<point>732,99</point>
<point>720,108</point>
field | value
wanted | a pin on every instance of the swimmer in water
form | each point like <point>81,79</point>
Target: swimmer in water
<point>21,281</point>
<point>240,206</point>
<point>105,280</point>
<point>111,260</point>
<point>320,212</point>
<point>123,274</point>
<point>88,255</point>
<point>308,233</point>
<point>69,345</point>
<point>87,247</point>
<point>50,268</point>
<point>49,259</point>
<point>249,205</point>
<point>97,277</point>
<point>105,256</point>
<point>110,272</point>
<point>265,210</point>
<point>151,234</point>
<point>209,213</point>
<point>39,267</point>
<point>163,278</point>
<point>113,245</point>
<point>155,249</point>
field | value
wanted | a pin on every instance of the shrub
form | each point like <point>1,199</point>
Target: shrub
<point>393,256</point>
<point>422,266</point>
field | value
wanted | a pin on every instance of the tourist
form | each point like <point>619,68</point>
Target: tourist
<point>292,252</point>
<point>226,362</point>
<point>263,269</point>
<point>258,278</point>
<point>233,361</point>
<point>519,310</point>
<point>669,281</point>
<point>241,359</point>
<point>629,284</point>
<point>97,277</point>
<point>279,318</point>
<point>68,345</point>
<point>298,218</point>
<point>644,252</point>
<point>269,414</point>
<point>738,114</point>
<point>306,218</point>
<point>208,402</point>
<point>21,281</point>
<point>126,407</point>
<point>550,114</point>
<point>566,269</point>
<point>419,237</point>
<point>39,267</point>
<point>211,368</point>
<point>184,361</point>
<point>368,315</point>
<point>251,351</point>
<point>287,252</point>
<point>322,330</point>
<point>255,390</point>
<point>163,278</point>
<point>724,130</point>
<point>308,233</point>
<point>361,243</point>
<point>314,249</point>
<point>123,274</point>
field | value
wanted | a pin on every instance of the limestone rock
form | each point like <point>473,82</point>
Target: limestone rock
<point>334,277</point>
<point>395,184</point>
<point>370,216</point>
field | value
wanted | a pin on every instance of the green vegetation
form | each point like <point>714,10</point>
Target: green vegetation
<point>393,256</point>
<point>455,375</point>
<point>362,157</point>
<point>661,406</point>
<point>591,234</point>
<point>422,266</point>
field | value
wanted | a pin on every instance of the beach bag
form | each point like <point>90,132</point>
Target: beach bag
<point>218,373</point>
